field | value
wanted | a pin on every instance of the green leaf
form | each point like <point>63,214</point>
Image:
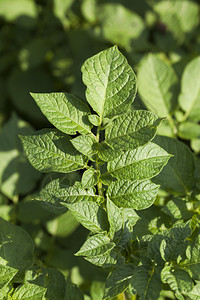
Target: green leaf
<point>141,163</point>
<point>63,225</point>
<point>29,291</point>
<point>178,174</point>
<point>17,176</point>
<point>189,99</point>
<point>65,111</point>
<point>119,280</point>
<point>59,191</point>
<point>12,9</point>
<point>137,194</point>
<point>131,130</point>
<point>192,263</point>
<point>147,282</point>
<point>90,178</point>
<point>104,260</point>
<point>106,153</point>
<point>94,119</point>
<point>171,244</point>
<point>112,16</point>
<point>178,279</point>
<point>6,275</point>
<point>96,245</point>
<point>51,279</point>
<point>189,130</point>
<point>194,294</point>
<point>186,11</point>
<point>157,85</point>
<point>178,209</point>
<point>120,220</point>
<point>90,214</point>
<point>110,81</point>
<point>16,247</point>
<point>73,292</point>
<point>51,151</point>
<point>85,144</point>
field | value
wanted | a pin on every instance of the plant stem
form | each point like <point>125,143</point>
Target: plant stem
<point>99,185</point>
<point>172,125</point>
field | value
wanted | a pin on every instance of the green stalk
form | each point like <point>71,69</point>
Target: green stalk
<point>172,125</point>
<point>99,185</point>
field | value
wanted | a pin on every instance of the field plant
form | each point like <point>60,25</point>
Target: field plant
<point>104,203</point>
<point>115,148</point>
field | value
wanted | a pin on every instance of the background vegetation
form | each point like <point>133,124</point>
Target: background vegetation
<point>42,47</point>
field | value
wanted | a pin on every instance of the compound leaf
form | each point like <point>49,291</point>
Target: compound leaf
<point>141,163</point>
<point>65,111</point>
<point>136,194</point>
<point>51,151</point>
<point>110,81</point>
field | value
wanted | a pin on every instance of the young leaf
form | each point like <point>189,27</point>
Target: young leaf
<point>137,194</point>
<point>157,84</point>
<point>98,244</point>
<point>95,120</point>
<point>189,99</point>
<point>121,220</point>
<point>141,163</point>
<point>50,150</point>
<point>29,291</point>
<point>106,153</point>
<point>110,81</point>
<point>119,280</point>
<point>90,178</point>
<point>58,192</point>
<point>131,130</point>
<point>66,112</point>
<point>85,144</point>
<point>91,215</point>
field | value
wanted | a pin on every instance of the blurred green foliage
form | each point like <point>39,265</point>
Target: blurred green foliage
<point>42,47</point>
